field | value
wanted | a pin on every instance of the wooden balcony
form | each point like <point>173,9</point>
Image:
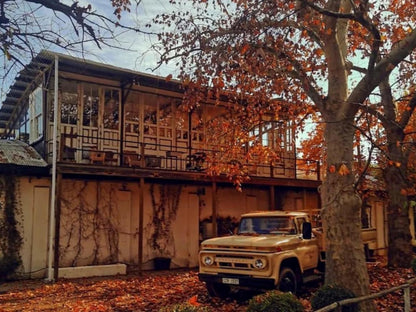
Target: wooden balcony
<point>172,160</point>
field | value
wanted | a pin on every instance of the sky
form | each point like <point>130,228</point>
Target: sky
<point>139,57</point>
<point>135,53</point>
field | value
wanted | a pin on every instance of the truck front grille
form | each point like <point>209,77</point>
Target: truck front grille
<point>235,262</point>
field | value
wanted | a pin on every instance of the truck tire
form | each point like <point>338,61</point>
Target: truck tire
<point>288,281</point>
<point>218,290</point>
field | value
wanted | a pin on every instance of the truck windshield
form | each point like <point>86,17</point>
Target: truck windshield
<point>267,225</point>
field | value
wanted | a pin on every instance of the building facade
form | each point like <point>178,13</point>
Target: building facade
<point>132,175</point>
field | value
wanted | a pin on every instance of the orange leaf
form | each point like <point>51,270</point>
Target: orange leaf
<point>220,83</point>
<point>343,170</point>
<point>319,52</point>
<point>245,48</point>
<point>194,301</point>
<point>168,77</point>
<point>332,169</point>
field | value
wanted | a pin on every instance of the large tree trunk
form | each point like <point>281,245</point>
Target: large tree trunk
<point>341,216</point>
<point>395,176</point>
<point>400,248</point>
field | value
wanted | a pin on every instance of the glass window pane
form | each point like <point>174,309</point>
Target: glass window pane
<point>91,100</point>
<point>132,113</point>
<point>111,108</point>
<point>165,112</point>
<point>35,114</point>
<point>150,109</point>
<point>69,103</point>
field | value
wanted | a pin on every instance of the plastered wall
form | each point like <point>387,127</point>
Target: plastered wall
<point>100,220</point>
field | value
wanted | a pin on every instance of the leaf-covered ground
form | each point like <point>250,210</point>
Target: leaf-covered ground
<point>153,290</point>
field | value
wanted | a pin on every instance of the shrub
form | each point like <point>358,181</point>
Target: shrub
<point>275,301</point>
<point>8,265</point>
<point>183,307</point>
<point>332,293</point>
<point>413,265</point>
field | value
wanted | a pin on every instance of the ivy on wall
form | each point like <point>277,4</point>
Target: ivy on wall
<point>165,203</point>
<point>10,237</point>
<point>89,233</point>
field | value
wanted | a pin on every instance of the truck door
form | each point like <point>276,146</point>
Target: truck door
<point>308,248</point>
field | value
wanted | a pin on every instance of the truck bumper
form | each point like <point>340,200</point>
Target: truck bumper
<point>243,281</point>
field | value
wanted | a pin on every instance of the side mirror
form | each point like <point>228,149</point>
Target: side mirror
<point>307,230</point>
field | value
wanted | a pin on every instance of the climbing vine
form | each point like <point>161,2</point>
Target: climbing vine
<point>89,235</point>
<point>10,237</point>
<point>164,209</point>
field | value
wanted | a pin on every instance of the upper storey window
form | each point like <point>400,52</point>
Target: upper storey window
<point>36,114</point>
<point>111,108</point>
<point>69,103</point>
<point>91,103</point>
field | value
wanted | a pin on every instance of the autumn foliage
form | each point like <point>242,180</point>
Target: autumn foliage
<point>153,291</point>
<point>278,59</point>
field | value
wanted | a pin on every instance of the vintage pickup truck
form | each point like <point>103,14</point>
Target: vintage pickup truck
<point>271,250</point>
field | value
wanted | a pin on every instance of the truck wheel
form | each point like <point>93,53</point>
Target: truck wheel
<point>218,290</point>
<point>288,281</point>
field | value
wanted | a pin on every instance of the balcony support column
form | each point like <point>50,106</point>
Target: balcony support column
<point>214,209</point>
<point>272,198</point>
<point>53,182</point>
<point>57,225</point>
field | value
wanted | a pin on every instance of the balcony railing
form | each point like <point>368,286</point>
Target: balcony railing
<point>80,149</point>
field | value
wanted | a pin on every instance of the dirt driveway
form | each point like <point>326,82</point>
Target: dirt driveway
<point>155,289</point>
<point>147,292</point>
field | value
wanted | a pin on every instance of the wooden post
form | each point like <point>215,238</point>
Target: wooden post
<point>272,198</point>
<point>57,226</point>
<point>406,295</point>
<point>142,160</point>
<point>318,170</point>
<point>190,134</point>
<point>140,229</point>
<point>304,204</point>
<point>214,209</point>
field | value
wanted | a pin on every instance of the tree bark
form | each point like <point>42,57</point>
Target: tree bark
<point>396,179</point>
<point>400,248</point>
<point>341,216</point>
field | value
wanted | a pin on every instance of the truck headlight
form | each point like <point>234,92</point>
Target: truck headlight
<point>259,264</point>
<point>208,260</point>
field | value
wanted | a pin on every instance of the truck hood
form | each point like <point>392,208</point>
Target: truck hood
<point>258,243</point>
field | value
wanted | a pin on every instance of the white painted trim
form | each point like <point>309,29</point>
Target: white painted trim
<point>53,188</point>
<point>93,270</point>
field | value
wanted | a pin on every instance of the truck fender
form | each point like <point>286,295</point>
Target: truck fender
<point>290,258</point>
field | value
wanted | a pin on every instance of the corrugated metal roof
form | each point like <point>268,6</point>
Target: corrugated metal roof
<point>14,152</point>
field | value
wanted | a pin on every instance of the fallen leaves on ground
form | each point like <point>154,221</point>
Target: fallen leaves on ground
<point>154,290</point>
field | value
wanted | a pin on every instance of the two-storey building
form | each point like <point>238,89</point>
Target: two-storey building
<point>128,176</point>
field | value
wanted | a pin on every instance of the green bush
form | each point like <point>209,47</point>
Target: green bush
<point>275,301</point>
<point>329,294</point>
<point>183,307</point>
<point>8,266</point>
<point>413,265</point>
